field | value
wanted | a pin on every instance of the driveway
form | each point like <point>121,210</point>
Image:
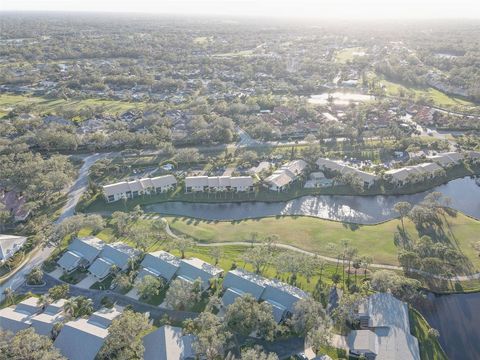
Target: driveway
<point>56,273</point>
<point>133,294</point>
<point>87,282</point>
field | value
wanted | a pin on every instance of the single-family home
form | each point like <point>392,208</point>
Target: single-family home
<point>16,318</point>
<point>44,322</point>
<point>340,168</point>
<point>281,296</point>
<point>9,245</point>
<point>116,254</point>
<point>218,183</point>
<point>385,330</point>
<point>447,159</point>
<point>193,269</point>
<point>81,252</point>
<point>168,343</point>
<point>82,339</point>
<point>282,178</point>
<point>138,187</point>
<point>159,263</point>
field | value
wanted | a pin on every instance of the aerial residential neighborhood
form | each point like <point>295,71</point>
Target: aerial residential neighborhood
<point>239,180</point>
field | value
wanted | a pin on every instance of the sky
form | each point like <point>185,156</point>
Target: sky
<point>356,9</point>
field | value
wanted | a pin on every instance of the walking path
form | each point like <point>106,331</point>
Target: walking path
<point>475,276</point>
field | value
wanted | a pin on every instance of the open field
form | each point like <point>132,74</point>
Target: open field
<point>316,235</point>
<point>345,55</point>
<point>230,258</point>
<point>48,106</point>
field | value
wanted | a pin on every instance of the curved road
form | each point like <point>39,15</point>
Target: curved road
<point>74,193</point>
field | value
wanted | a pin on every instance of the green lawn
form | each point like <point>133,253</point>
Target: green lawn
<point>348,54</point>
<point>430,348</point>
<point>315,235</point>
<point>44,105</point>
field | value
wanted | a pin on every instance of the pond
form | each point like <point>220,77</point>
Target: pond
<point>457,318</point>
<point>339,98</point>
<point>464,193</point>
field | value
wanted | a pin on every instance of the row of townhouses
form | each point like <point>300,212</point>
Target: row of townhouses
<point>82,338</point>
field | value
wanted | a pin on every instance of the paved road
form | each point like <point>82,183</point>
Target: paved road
<point>97,296</point>
<point>74,193</point>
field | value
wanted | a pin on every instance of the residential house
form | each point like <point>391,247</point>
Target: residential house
<point>193,269</point>
<point>116,254</point>
<point>282,178</point>
<point>446,159</point>
<point>81,252</point>
<point>385,330</point>
<point>15,203</point>
<point>317,179</point>
<point>282,297</point>
<point>218,183</point>
<point>44,322</point>
<point>9,245</point>
<point>138,187</point>
<point>412,174</point>
<point>160,264</point>
<point>168,343</point>
<point>82,339</point>
<point>16,318</point>
<point>340,168</point>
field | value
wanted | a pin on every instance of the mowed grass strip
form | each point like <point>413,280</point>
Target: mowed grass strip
<point>316,235</point>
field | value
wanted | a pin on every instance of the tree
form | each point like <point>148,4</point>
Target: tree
<point>58,292</point>
<point>346,311</point>
<point>120,220</point>
<point>182,295</point>
<point>246,316</point>
<point>216,253</point>
<point>257,354</point>
<point>211,338</point>
<point>403,209</point>
<point>183,244</point>
<point>149,286</point>
<point>307,315</point>
<point>73,224</point>
<point>122,281</point>
<point>319,337</point>
<point>35,276</point>
<point>289,262</point>
<point>28,345</point>
<point>9,295</point>
<point>404,288</point>
<point>258,256</point>
<point>433,333</point>
<point>124,340</point>
<point>78,306</point>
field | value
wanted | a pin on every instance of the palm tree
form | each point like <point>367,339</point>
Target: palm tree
<point>70,307</point>
<point>44,300</point>
<point>366,261</point>
<point>9,295</point>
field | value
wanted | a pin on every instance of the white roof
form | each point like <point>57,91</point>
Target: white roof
<point>196,181</point>
<point>139,184</point>
<point>280,178</point>
<point>345,169</point>
<point>446,158</point>
<point>8,243</point>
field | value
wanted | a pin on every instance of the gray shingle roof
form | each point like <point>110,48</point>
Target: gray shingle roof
<point>160,263</point>
<point>69,260</point>
<point>192,269</point>
<point>100,268</point>
<point>168,343</point>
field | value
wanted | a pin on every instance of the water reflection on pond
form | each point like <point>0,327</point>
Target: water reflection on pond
<point>464,193</point>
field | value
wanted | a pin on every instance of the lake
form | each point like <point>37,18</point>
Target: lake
<point>457,318</point>
<point>465,195</point>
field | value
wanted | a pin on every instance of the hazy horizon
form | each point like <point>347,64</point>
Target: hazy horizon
<point>343,9</point>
